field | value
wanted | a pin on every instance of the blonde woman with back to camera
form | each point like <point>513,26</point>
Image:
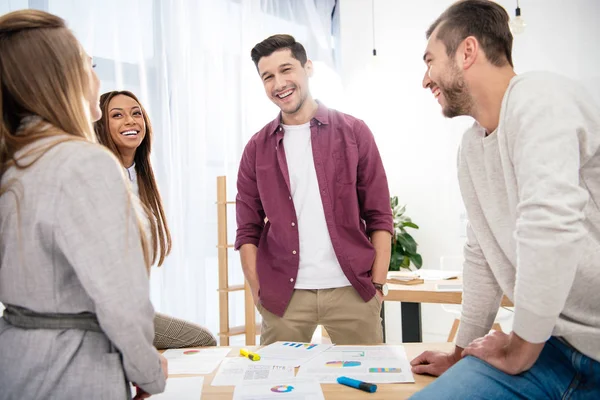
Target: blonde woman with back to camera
<point>78,321</point>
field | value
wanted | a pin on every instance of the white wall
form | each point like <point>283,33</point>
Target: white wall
<point>417,144</point>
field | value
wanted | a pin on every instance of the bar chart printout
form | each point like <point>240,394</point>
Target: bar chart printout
<point>290,353</point>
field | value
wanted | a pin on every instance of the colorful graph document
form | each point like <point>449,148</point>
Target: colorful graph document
<point>288,389</point>
<point>373,364</point>
<point>291,354</point>
<point>195,361</point>
<point>237,370</point>
<point>182,389</point>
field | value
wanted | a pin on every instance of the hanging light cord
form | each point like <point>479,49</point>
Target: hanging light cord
<point>373,23</point>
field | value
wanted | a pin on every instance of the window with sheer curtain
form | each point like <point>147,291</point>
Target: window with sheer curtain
<point>189,63</point>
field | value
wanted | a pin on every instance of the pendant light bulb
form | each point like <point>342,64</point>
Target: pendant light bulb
<point>517,24</point>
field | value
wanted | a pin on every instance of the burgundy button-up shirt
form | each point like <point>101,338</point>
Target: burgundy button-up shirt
<point>354,192</point>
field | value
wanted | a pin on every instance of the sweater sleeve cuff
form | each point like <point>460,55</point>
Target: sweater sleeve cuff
<point>468,332</point>
<point>532,327</point>
<point>157,385</point>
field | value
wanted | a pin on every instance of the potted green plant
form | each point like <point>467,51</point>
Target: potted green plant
<point>404,246</point>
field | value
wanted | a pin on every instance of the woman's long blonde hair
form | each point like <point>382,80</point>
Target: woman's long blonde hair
<point>149,194</point>
<point>42,75</point>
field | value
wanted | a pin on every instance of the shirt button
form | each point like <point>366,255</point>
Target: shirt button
<point>293,251</point>
<point>275,147</point>
<point>279,129</point>
<point>293,224</point>
<point>318,123</point>
<point>290,197</point>
<point>291,279</point>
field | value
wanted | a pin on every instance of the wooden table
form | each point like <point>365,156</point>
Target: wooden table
<point>427,293</point>
<point>411,297</point>
<point>395,391</point>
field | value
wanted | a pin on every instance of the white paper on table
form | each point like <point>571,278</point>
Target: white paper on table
<point>183,388</point>
<point>437,274</point>
<point>287,389</point>
<point>372,364</point>
<point>447,287</point>
<point>195,361</point>
<point>234,371</point>
<point>291,354</point>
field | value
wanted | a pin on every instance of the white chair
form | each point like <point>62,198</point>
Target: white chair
<point>455,263</point>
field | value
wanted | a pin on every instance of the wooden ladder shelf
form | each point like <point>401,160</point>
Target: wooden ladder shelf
<point>225,331</point>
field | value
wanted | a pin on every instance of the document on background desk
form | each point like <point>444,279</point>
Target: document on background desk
<point>373,364</point>
<point>287,389</point>
<point>291,354</point>
<point>195,361</point>
<point>183,388</point>
<point>437,274</point>
<point>237,370</point>
<point>447,287</point>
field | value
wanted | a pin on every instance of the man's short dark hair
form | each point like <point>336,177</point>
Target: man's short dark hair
<point>275,43</point>
<point>486,20</point>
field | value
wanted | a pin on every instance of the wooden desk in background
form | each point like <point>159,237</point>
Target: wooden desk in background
<point>396,391</point>
<point>411,297</point>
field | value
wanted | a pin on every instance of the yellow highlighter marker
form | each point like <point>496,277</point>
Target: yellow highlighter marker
<point>249,354</point>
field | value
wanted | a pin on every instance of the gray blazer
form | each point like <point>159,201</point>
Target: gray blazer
<point>69,243</point>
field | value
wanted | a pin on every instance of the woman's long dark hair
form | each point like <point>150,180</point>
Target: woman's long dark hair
<point>149,194</point>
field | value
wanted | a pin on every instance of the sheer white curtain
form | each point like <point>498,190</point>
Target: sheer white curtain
<point>189,63</point>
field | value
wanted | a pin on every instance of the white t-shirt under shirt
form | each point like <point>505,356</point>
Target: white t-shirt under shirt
<point>319,267</point>
<point>132,175</point>
<point>137,203</point>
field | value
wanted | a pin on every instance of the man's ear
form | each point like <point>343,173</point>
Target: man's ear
<point>308,67</point>
<point>467,52</point>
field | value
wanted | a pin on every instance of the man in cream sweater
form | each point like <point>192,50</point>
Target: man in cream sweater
<point>529,172</point>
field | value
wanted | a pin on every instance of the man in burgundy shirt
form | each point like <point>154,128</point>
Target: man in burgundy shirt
<point>313,211</point>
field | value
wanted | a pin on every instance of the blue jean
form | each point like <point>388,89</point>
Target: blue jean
<point>561,372</point>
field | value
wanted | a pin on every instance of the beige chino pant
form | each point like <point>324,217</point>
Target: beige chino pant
<point>347,318</point>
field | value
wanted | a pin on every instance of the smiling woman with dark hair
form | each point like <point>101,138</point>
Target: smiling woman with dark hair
<point>126,130</point>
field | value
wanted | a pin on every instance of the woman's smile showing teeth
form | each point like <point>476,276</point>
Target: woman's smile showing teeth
<point>131,132</point>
